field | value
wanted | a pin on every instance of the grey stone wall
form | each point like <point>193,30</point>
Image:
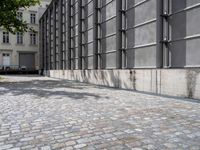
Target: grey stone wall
<point>113,38</point>
<point>172,82</point>
<point>116,34</point>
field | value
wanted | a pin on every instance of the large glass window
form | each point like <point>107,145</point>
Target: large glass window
<point>5,37</point>
<point>33,39</point>
<point>19,38</point>
<point>33,18</point>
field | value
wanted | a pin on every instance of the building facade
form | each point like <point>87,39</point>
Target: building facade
<point>21,50</point>
<point>144,45</point>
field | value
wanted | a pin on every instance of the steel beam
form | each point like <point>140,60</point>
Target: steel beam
<point>64,40</point>
<point>119,34</point>
<point>159,34</point>
<point>54,36</point>
<point>49,40</point>
<point>60,47</point>
<point>73,49</point>
<point>165,38</point>
<point>80,34</point>
<point>45,42</point>
<point>69,33</point>
<point>41,44</point>
<point>95,34</point>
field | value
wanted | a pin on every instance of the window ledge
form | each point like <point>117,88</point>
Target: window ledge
<point>18,44</point>
<point>33,45</point>
<point>6,43</point>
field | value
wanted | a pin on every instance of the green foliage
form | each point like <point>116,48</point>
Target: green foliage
<point>8,14</point>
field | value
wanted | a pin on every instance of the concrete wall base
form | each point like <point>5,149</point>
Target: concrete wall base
<point>173,82</point>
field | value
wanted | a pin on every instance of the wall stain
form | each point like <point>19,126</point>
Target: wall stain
<point>191,76</point>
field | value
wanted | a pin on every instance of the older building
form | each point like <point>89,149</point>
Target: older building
<point>145,45</point>
<point>21,50</point>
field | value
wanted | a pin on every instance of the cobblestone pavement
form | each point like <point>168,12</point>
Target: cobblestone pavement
<point>43,113</point>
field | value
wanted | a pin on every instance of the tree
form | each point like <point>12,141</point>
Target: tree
<point>9,18</point>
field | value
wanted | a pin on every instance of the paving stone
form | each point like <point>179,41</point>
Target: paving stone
<point>67,148</point>
<point>35,148</point>
<point>27,147</point>
<point>195,147</point>
<point>17,148</point>
<point>80,146</point>
<point>170,145</point>
<point>58,145</point>
<point>4,136</point>
<point>2,147</point>
<point>38,111</point>
<point>137,149</point>
<point>70,143</point>
<point>46,148</point>
<point>83,140</point>
<point>26,139</point>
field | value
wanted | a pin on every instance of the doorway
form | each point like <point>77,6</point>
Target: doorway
<point>6,59</point>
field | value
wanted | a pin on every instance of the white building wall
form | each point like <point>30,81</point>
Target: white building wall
<point>13,48</point>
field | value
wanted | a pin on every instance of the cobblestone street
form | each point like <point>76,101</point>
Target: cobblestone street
<point>39,113</point>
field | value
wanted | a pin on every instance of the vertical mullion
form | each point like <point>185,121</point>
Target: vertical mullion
<point>119,33</point>
<point>80,34</point>
<point>99,35</point>
<point>46,46</point>
<point>54,36</point>
<point>49,46</point>
<point>165,36</point>
<point>43,59</point>
<point>41,45</point>
<point>159,34</point>
<point>60,49</point>
<point>124,35</point>
<point>50,36</point>
<point>84,64</point>
<point>72,28</point>
<point>95,34</point>
<point>74,35</point>
<point>69,32</point>
<point>44,40</point>
<point>47,49</point>
<point>64,40</point>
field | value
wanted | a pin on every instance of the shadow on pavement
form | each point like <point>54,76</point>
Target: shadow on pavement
<point>47,88</point>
